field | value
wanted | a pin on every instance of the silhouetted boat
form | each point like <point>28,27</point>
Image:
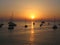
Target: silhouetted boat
<point>1,25</point>
<point>25,23</point>
<point>33,23</point>
<point>41,25</point>
<point>26,26</point>
<point>42,21</point>
<point>11,24</point>
<point>54,26</point>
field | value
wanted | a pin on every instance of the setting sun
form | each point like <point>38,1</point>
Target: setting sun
<point>32,16</point>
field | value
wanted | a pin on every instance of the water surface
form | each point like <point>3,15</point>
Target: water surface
<point>33,35</point>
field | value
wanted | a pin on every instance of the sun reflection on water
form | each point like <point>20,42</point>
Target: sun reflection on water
<point>32,28</point>
<point>32,34</point>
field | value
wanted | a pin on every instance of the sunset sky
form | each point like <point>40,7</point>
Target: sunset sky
<point>29,9</point>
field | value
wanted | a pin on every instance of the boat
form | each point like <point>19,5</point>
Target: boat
<point>33,23</point>
<point>41,25</point>
<point>25,23</point>
<point>54,26</point>
<point>1,25</point>
<point>43,22</point>
<point>11,24</point>
<point>26,26</point>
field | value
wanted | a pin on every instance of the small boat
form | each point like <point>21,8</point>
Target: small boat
<point>26,26</point>
<point>11,24</point>
<point>33,23</point>
<point>55,27</point>
<point>41,24</point>
<point>1,25</point>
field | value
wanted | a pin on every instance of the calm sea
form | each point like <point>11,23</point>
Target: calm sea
<point>32,35</point>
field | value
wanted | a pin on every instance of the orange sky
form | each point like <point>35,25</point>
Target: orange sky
<point>25,9</point>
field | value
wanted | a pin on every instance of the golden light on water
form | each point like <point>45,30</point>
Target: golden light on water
<point>32,31</point>
<point>32,34</point>
<point>32,28</point>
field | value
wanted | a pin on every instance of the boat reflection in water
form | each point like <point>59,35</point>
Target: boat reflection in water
<point>10,28</point>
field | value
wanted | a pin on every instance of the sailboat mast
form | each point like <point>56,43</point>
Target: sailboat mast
<point>11,19</point>
<point>25,23</point>
<point>54,19</point>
